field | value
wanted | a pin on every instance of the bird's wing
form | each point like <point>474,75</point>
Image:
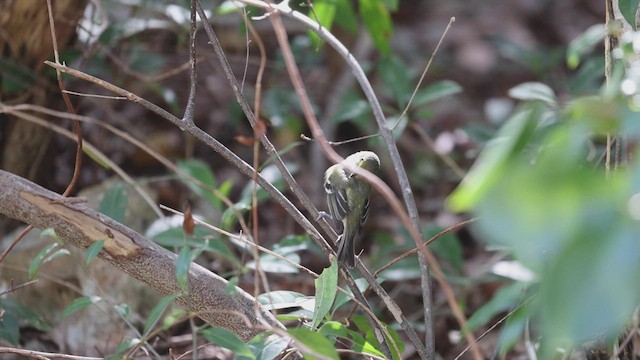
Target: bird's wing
<point>336,200</point>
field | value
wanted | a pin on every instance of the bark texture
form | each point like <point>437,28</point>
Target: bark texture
<point>80,226</point>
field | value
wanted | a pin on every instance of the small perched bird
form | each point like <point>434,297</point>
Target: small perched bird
<point>348,199</point>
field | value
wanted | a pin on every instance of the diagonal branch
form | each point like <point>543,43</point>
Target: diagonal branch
<point>80,226</point>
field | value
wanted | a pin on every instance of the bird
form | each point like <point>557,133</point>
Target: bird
<point>348,199</point>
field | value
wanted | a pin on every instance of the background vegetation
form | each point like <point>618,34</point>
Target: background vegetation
<point>518,144</point>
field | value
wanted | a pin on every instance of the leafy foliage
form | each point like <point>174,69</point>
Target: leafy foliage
<point>537,193</point>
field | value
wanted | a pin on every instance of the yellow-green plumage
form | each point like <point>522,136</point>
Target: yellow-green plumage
<point>348,199</point>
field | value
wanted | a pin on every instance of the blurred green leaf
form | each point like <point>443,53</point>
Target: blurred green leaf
<point>354,108</point>
<point>492,162</point>
<point>504,300</point>
<point>17,314</point>
<point>229,6</point>
<point>10,328</point>
<point>114,202</point>
<point>534,91</point>
<point>322,11</point>
<point>342,299</point>
<point>274,264</point>
<point>49,232</point>
<point>629,8</point>
<point>315,341</point>
<point>46,254</point>
<point>228,340</point>
<point>174,316</point>
<point>585,42</point>
<point>346,17</point>
<point>182,267</point>
<point>396,77</point>
<point>281,299</point>
<point>436,91</point>
<point>377,20</point>
<point>122,348</point>
<point>513,330</point>
<point>563,218</point>
<point>361,345</point>
<point>363,325</point>
<point>201,172</point>
<point>157,311</point>
<point>326,288</point>
<point>447,247</point>
<point>79,304</point>
<point>333,330</point>
<point>265,347</point>
<point>92,251</point>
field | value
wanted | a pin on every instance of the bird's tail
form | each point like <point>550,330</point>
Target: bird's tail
<point>347,250</point>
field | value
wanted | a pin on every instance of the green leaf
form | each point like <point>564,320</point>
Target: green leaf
<point>513,329</point>
<point>629,8</point>
<point>157,311</point>
<point>117,355</point>
<point>123,309</point>
<point>229,6</point>
<point>228,340</point>
<point>354,108</point>
<point>492,161</point>
<point>265,347</point>
<point>567,220</point>
<point>436,91</point>
<point>396,78</point>
<point>92,251</point>
<point>314,341</point>
<point>342,299</point>
<point>201,172</point>
<point>182,267</point>
<point>362,346</point>
<point>323,12</point>
<point>346,17</point>
<point>282,299</point>
<point>504,300</point>
<point>45,255</point>
<point>534,91</point>
<point>114,202</point>
<point>446,247</point>
<point>49,232</point>
<point>377,20</point>
<point>333,330</point>
<point>326,288</point>
<point>25,314</point>
<point>272,264</point>
<point>79,304</point>
<point>362,324</point>
<point>10,328</point>
<point>584,43</point>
